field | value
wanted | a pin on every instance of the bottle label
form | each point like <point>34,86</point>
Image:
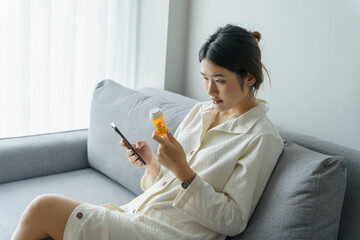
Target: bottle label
<point>160,129</point>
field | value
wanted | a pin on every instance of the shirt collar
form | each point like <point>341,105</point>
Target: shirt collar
<point>240,124</point>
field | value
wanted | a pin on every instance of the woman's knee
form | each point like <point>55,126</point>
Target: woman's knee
<point>33,216</point>
<point>51,213</point>
<point>46,215</point>
<point>43,203</point>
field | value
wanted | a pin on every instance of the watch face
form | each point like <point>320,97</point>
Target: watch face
<point>184,185</point>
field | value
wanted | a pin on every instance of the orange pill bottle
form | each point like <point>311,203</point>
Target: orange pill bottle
<point>157,117</point>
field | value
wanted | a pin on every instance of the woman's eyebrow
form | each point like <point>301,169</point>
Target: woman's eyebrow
<point>215,75</point>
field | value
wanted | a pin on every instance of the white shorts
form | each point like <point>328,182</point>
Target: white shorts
<point>92,222</point>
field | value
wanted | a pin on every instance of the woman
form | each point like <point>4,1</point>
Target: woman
<point>205,181</point>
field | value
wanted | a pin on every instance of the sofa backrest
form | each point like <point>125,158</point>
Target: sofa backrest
<point>129,110</point>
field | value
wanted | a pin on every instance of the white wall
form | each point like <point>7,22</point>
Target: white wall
<point>176,45</point>
<point>152,43</point>
<point>163,26</point>
<point>311,49</point>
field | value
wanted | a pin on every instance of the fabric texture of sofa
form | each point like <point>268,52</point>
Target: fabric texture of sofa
<point>313,193</point>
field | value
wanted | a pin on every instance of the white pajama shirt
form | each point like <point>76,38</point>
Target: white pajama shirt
<point>233,162</point>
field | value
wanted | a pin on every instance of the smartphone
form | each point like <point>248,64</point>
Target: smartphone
<point>127,142</point>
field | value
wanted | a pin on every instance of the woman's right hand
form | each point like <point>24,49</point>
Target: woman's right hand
<point>144,149</point>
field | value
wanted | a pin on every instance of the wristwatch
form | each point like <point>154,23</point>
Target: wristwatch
<point>185,185</point>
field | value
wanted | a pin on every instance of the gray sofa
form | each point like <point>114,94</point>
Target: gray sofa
<point>313,193</point>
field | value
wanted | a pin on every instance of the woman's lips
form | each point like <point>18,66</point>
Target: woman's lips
<point>216,101</point>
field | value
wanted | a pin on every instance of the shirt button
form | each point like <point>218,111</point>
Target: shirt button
<point>164,183</point>
<point>79,215</point>
<point>191,153</point>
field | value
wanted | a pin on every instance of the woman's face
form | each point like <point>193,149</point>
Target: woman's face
<point>224,89</point>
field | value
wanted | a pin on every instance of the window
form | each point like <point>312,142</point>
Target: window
<point>52,54</point>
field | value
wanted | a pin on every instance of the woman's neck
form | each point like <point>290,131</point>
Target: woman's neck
<point>222,117</point>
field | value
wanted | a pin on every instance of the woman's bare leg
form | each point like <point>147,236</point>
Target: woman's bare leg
<point>45,217</point>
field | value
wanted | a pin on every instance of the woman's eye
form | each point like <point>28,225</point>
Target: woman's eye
<point>220,81</point>
<point>204,78</point>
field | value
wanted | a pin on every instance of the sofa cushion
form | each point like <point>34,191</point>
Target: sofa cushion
<point>303,198</point>
<point>350,217</point>
<point>86,185</point>
<point>129,110</point>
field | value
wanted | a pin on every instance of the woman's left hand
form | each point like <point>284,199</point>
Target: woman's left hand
<point>172,156</point>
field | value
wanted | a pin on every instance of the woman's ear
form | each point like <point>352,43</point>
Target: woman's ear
<point>250,80</point>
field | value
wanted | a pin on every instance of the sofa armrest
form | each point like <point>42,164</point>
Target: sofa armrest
<point>40,155</point>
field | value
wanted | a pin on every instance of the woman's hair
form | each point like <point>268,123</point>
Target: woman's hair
<point>237,50</point>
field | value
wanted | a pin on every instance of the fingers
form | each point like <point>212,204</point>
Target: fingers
<point>140,144</point>
<point>158,139</point>
<point>123,144</point>
<point>134,160</point>
<point>129,152</point>
<point>165,140</point>
<point>171,138</point>
<point>132,157</point>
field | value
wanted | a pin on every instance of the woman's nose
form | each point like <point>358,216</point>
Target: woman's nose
<point>212,88</point>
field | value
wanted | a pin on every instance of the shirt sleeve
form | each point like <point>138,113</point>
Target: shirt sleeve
<point>228,212</point>
<point>147,179</point>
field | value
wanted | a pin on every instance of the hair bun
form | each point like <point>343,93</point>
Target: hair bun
<point>256,35</point>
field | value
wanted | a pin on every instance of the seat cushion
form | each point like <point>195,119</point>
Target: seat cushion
<point>129,110</point>
<point>303,198</point>
<point>85,185</point>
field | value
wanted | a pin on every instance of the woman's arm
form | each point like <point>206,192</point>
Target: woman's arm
<point>149,179</point>
<point>171,155</point>
<point>228,212</point>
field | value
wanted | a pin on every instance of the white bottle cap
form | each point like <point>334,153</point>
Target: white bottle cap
<point>156,113</point>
